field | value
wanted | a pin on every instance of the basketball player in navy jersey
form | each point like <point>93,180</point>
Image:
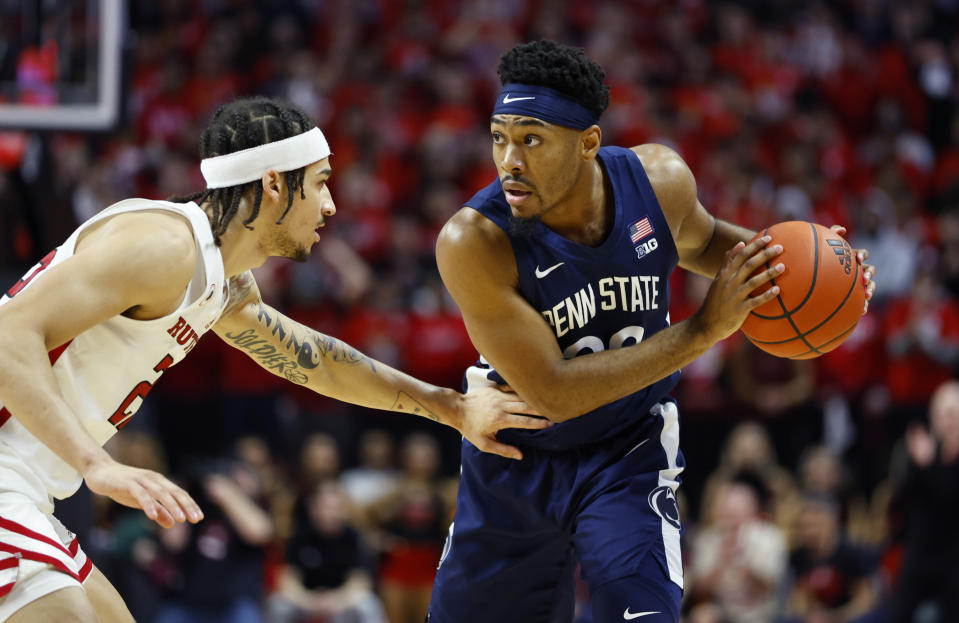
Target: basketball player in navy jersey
<point>87,332</point>
<point>561,269</point>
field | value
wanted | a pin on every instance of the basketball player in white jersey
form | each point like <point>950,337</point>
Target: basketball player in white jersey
<point>87,332</point>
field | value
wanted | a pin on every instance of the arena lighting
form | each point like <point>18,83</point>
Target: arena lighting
<point>93,105</point>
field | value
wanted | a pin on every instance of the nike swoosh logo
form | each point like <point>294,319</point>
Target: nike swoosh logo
<point>542,273</point>
<point>629,616</point>
<point>507,99</point>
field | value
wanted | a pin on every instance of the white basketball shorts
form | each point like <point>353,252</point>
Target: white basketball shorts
<point>38,555</point>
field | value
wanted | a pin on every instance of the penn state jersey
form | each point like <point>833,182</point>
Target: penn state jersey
<point>594,298</point>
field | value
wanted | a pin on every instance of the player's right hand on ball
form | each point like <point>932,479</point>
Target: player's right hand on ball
<point>729,299</point>
<point>161,500</point>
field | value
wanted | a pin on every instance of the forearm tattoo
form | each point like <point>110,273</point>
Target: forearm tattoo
<point>299,354</point>
<point>407,404</point>
<point>341,352</point>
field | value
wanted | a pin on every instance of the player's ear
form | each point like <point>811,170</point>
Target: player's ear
<point>272,182</point>
<point>590,141</point>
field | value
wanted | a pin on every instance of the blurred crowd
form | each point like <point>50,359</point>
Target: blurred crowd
<point>817,491</point>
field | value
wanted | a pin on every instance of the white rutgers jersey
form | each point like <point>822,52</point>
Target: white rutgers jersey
<point>105,372</point>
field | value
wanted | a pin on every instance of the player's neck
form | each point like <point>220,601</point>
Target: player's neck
<point>585,216</point>
<point>241,250</point>
<point>240,247</point>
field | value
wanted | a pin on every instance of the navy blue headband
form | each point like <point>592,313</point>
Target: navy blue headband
<point>545,104</point>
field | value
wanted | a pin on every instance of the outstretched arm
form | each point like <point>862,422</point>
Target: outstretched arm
<point>333,368</point>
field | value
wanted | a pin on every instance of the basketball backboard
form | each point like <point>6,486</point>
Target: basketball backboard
<point>60,63</point>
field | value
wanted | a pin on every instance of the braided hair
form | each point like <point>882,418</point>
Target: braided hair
<point>559,67</point>
<point>241,124</point>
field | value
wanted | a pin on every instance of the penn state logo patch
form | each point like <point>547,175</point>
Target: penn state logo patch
<point>663,502</point>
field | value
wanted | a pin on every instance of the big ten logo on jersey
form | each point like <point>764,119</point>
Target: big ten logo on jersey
<point>184,334</point>
<point>646,248</point>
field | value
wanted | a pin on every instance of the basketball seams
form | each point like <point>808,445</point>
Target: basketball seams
<point>813,308</point>
<point>799,334</point>
<point>815,268</point>
<point>778,296</point>
<point>773,282</point>
<point>812,284</point>
<point>852,286</point>
<point>838,337</point>
<point>788,315</point>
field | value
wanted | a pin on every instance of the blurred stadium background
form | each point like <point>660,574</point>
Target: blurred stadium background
<point>815,490</point>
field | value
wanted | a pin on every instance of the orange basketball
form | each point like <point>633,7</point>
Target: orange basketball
<point>821,293</point>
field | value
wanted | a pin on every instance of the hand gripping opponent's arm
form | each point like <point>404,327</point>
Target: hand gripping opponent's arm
<point>333,368</point>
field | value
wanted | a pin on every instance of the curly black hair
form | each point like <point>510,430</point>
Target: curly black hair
<point>560,67</point>
<point>241,124</point>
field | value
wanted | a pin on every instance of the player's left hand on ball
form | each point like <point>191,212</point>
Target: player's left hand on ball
<point>488,410</point>
<point>868,270</point>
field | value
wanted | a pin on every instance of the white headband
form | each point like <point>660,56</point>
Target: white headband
<point>250,164</point>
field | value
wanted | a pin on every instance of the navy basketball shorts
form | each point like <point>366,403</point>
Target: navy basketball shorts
<point>522,526</point>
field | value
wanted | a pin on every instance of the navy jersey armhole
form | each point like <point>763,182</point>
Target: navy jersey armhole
<point>648,195</point>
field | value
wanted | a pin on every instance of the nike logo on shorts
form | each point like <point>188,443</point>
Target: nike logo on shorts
<point>629,616</point>
<point>542,273</point>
